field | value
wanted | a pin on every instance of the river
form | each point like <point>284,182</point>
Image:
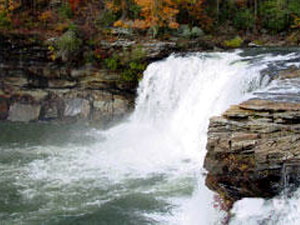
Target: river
<point>147,169</point>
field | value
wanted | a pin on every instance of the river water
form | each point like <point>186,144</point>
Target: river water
<point>148,169</point>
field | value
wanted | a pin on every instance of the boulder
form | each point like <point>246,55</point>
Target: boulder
<point>77,107</point>
<point>253,149</point>
<point>23,112</point>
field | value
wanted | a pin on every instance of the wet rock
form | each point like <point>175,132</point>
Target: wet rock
<point>121,106</point>
<point>290,73</point>
<point>53,108</point>
<point>77,107</point>
<point>82,72</point>
<point>23,113</point>
<point>59,83</point>
<point>103,107</point>
<point>15,81</point>
<point>251,149</point>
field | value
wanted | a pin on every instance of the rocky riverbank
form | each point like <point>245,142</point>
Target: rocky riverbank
<point>253,148</point>
<point>34,87</point>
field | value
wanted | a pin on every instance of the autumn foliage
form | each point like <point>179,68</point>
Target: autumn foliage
<point>157,13</point>
<point>157,16</point>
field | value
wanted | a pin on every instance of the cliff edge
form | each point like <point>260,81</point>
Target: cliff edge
<point>253,149</point>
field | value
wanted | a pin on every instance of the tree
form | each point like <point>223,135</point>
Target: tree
<point>156,14</point>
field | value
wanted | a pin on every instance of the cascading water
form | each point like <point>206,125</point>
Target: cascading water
<point>147,170</point>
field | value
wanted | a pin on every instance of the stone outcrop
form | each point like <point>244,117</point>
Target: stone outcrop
<point>253,149</point>
<point>34,88</point>
<point>68,91</point>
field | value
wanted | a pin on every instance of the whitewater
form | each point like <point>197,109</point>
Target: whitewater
<point>149,168</point>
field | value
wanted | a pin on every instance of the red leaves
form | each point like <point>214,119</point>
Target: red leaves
<point>74,4</point>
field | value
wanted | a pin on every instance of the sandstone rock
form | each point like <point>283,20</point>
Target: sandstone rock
<point>103,107</point>
<point>290,73</point>
<point>33,95</point>
<point>120,105</point>
<point>15,81</point>
<point>82,72</point>
<point>23,113</point>
<point>253,149</point>
<point>77,107</point>
<point>53,108</point>
<point>59,83</point>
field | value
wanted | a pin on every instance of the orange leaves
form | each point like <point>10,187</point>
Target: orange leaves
<point>173,25</point>
<point>120,23</point>
<point>46,16</point>
<point>111,6</point>
<point>196,11</point>
<point>160,13</point>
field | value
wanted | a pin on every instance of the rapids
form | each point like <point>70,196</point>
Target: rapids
<point>146,170</point>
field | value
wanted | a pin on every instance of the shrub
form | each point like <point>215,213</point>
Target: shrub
<point>134,72</point>
<point>5,21</point>
<point>234,43</point>
<point>65,11</point>
<point>112,63</point>
<point>68,44</point>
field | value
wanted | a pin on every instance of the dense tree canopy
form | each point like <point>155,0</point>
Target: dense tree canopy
<point>243,15</point>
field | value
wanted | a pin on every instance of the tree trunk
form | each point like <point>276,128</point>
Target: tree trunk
<point>124,6</point>
<point>218,10</point>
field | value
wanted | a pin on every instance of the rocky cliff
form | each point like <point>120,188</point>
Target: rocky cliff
<point>253,149</point>
<point>32,87</point>
<point>35,88</point>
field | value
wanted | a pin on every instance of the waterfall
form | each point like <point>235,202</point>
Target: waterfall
<point>148,169</point>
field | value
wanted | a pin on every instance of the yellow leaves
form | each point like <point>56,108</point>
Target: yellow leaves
<point>61,27</point>
<point>173,25</point>
<point>296,23</point>
<point>52,52</point>
<point>111,6</point>
<point>11,5</point>
<point>53,57</point>
<point>46,16</point>
<point>120,23</point>
<point>159,13</point>
<point>140,24</point>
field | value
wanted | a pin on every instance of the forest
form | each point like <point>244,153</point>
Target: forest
<point>152,17</point>
<point>74,29</point>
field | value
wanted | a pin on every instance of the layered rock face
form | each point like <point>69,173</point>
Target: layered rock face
<point>34,88</point>
<point>253,149</point>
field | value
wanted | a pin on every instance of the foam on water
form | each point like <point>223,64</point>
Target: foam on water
<point>157,152</point>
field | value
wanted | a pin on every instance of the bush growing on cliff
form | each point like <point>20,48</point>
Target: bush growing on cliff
<point>134,72</point>
<point>130,62</point>
<point>67,45</point>
<point>234,43</point>
<point>112,63</point>
<point>5,22</point>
